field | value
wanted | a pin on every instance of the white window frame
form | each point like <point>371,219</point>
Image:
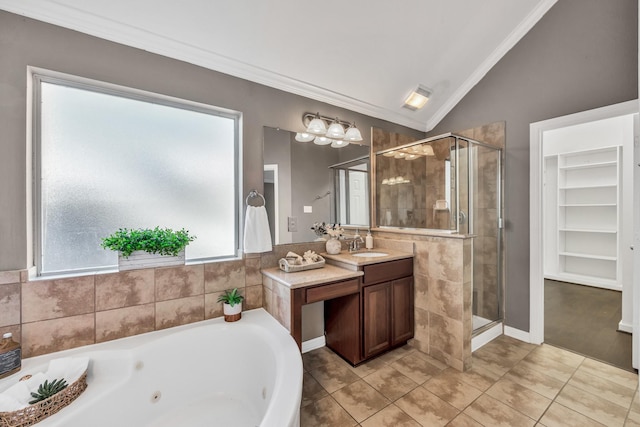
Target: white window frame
<point>38,75</point>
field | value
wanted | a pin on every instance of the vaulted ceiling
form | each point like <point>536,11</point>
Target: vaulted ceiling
<point>364,55</point>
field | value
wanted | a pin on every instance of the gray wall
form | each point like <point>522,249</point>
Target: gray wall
<point>25,42</point>
<point>583,54</point>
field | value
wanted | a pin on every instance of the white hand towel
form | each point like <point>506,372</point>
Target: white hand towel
<point>257,236</point>
<point>9,404</point>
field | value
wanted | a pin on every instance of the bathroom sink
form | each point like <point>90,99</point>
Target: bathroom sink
<point>369,254</point>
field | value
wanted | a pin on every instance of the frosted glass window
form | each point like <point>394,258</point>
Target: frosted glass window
<point>108,160</point>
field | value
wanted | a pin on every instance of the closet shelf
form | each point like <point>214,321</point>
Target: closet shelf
<point>588,230</point>
<point>587,205</point>
<point>580,187</point>
<point>588,165</point>
<point>588,256</point>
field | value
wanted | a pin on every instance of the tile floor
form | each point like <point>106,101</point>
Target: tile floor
<point>511,384</point>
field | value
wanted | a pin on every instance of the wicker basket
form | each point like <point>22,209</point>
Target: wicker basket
<point>37,412</point>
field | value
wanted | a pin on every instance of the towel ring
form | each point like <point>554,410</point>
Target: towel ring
<point>252,194</point>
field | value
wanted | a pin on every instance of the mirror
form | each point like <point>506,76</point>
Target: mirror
<point>305,183</point>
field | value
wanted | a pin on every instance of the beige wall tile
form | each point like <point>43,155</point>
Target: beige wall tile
<point>124,322</point>
<point>51,299</point>
<point>253,297</point>
<point>178,312</point>
<point>445,298</point>
<point>252,273</point>
<point>179,282</point>
<point>213,308</point>
<point>124,289</point>
<point>446,260</point>
<point>281,304</point>
<point>7,277</point>
<point>421,330</point>
<point>57,334</point>
<point>420,290</point>
<point>446,335</point>
<point>220,276</point>
<point>9,304</point>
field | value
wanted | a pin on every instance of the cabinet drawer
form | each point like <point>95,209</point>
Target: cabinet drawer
<point>386,271</point>
<point>334,290</point>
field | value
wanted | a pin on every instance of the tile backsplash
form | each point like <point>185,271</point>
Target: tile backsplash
<point>58,314</point>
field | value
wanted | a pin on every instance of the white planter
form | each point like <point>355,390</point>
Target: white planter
<point>232,313</point>
<point>141,259</point>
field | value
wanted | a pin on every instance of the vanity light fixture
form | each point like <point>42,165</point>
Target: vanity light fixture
<point>418,98</point>
<point>316,130</point>
<point>304,137</point>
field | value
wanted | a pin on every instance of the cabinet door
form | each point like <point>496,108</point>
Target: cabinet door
<point>377,318</point>
<point>402,310</point>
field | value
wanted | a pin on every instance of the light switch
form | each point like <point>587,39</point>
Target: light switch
<point>308,209</point>
<point>292,224</point>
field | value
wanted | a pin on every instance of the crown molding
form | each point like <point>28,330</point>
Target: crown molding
<point>74,19</point>
<point>509,42</point>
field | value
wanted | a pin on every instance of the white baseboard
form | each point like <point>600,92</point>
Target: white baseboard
<point>486,337</point>
<point>517,334</point>
<point>625,327</point>
<point>313,343</point>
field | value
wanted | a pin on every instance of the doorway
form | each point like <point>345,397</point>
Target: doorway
<point>581,231</point>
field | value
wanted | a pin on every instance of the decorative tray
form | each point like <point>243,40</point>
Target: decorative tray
<point>291,264</point>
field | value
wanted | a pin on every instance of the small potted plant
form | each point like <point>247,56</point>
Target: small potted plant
<point>232,305</point>
<point>143,248</point>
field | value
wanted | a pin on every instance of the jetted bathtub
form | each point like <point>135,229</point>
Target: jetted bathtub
<point>211,373</point>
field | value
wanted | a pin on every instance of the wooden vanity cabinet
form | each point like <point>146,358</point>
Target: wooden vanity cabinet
<point>387,306</point>
<point>379,318</point>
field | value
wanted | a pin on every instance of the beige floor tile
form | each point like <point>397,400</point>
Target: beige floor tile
<point>438,364</point>
<point>515,343</point>
<point>360,400</point>
<point>504,352</point>
<point>592,406</point>
<point>369,367</point>
<point>390,416</point>
<point>548,366</point>
<point>396,354</point>
<point>427,408</point>
<point>325,412</point>
<point>560,416</point>
<point>490,412</point>
<point>535,380</point>
<point>311,389</point>
<point>611,373</point>
<point>487,362</point>
<point>333,377</point>
<point>391,383</point>
<point>453,391</point>
<point>519,398</point>
<point>603,388</point>
<point>416,368</point>
<point>560,355</point>
<point>476,376</point>
<point>319,357</point>
<point>464,420</point>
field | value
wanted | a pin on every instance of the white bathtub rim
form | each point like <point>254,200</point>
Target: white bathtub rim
<point>288,361</point>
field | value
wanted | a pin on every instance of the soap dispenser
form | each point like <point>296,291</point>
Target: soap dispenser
<point>368,241</point>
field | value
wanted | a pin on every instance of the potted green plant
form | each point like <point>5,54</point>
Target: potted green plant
<point>145,248</point>
<point>232,305</point>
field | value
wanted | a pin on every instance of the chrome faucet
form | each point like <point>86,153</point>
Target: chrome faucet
<point>354,245</point>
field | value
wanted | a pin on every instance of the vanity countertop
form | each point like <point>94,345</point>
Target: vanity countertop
<point>301,279</point>
<point>346,259</point>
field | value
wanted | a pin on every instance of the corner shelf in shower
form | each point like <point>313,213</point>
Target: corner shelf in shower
<point>582,204</point>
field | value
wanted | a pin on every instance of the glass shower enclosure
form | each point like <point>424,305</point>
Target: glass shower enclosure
<point>449,184</point>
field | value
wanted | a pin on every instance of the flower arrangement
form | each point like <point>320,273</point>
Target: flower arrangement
<point>335,231</point>
<point>320,228</point>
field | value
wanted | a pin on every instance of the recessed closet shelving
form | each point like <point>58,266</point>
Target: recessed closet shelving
<point>585,217</point>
